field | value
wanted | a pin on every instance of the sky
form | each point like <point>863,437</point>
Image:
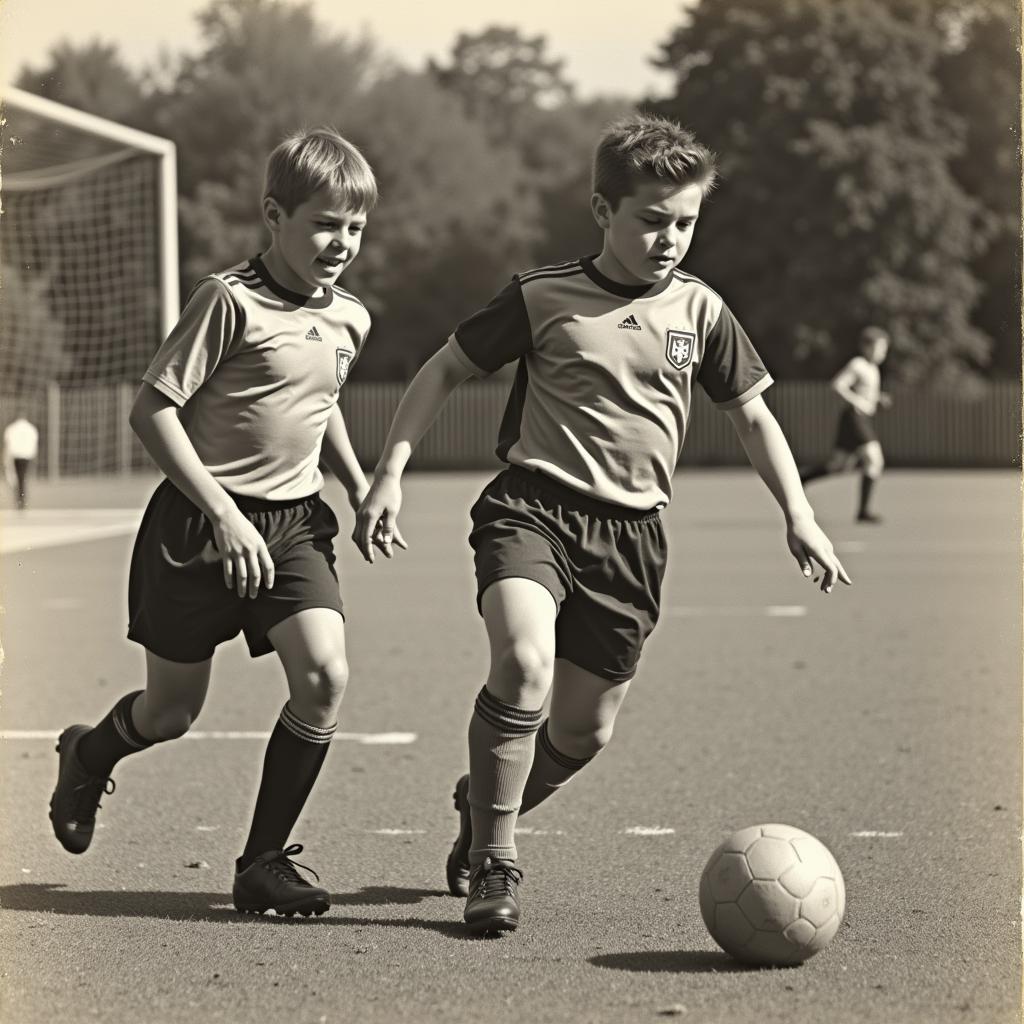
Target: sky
<point>604,54</point>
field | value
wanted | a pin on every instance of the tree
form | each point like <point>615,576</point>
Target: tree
<point>499,73</point>
<point>457,217</point>
<point>91,77</point>
<point>980,80</point>
<point>838,205</point>
<point>507,84</point>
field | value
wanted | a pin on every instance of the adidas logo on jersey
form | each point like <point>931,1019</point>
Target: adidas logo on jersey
<point>313,335</point>
<point>630,324</point>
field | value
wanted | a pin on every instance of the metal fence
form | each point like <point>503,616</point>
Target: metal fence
<point>85,430</point>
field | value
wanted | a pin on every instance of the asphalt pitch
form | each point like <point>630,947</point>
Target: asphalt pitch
<point>884,719</point>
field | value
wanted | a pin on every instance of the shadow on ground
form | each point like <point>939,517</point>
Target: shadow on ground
<point>675,961</point>
<point>46,898</point>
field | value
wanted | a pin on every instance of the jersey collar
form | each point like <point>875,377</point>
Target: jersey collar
<point>294,298</point>
<point>624,291</point>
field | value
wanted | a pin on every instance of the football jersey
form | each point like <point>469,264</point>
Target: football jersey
<point>256,369</point>
<point>603,389</point>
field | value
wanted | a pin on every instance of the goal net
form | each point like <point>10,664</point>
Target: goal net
<point>88,277</point>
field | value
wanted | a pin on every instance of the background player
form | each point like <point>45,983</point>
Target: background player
<point>238,406</point>
<point>21,446</point>
<point>859,385</point>
<point>569,546</point>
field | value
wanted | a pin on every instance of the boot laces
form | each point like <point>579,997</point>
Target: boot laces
<point>284,867</point>
<point>87,797</point>
<point>498,878</point>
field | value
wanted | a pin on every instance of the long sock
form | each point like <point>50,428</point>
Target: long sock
<point>295,754</point>
<point>113,738</point>
<point>550,771</point>
<point>867,485</point>
<point>500,754</point>
<point>813,473</point>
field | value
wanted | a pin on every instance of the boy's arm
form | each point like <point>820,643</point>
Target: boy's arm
<point>766,447</point>
<point>242,551</point>
<point>378,514</point>
<point>339,456</point>
<point>842,385</point>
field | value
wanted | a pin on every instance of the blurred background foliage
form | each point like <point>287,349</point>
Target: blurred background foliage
<point>870,153</point>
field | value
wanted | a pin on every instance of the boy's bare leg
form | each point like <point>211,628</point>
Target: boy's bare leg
<point>520,618</point>
<point>578,727</point>
<point>872,462</point>
<point>311,646</point>
<point>837,462</point>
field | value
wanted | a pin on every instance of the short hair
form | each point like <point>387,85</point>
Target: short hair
<point>646,145</point>
<point>869,335</point>
<point>310,160</point>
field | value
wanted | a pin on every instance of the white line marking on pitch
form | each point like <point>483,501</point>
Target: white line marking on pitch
<point>366,738</point>
<point>649,830</point>
<point>397,831</point>
<point>772,611</point>
<point>49,528</point>
<point>868,834</point>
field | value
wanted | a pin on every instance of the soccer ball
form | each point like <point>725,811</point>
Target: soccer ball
<point>772,894</point>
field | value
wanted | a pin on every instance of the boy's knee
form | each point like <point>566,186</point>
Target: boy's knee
<point>580,742</point>
<point>874,463</point>
<point>324,686</point>
<point>170,723</point>
<point>525,668</point>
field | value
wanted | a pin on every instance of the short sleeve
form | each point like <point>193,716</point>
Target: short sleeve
<point>210,324</point>
<point>498,334</point>
<point>731,371</point>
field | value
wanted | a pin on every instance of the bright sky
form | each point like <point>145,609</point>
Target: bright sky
<point>604,54</point>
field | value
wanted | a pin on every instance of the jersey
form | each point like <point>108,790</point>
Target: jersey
<point>603,389</point>
<point>864,379</point>
<point>21,440</point>
<point>257,369</point>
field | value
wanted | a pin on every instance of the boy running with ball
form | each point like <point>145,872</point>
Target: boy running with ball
<point>569,547</point>
<point>238,408</point>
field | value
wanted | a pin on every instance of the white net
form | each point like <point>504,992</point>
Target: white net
<point>81,303</point>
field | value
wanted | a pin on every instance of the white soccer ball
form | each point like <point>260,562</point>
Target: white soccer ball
<point>772,894</point>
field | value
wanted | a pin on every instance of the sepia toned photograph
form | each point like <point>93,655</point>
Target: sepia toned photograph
<point>511,513</point>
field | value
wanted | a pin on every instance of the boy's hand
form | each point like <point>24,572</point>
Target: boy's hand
<point>377,518</point>
<point>243,554</point>
<point>808,543</point>
<point>885,400</point>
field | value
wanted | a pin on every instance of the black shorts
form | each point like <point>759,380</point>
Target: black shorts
<point>855,430</point>
<point>602,563</point>
<point>178,605</point>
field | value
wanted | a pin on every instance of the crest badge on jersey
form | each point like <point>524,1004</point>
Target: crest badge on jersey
<point>679,348</point>
<point>344,362</point>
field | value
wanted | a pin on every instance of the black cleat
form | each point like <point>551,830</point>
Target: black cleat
<point>868,517</point>
<point>493,904</point>
<point>457,865</point>
<point>76,797</point>
<point>271,882</point>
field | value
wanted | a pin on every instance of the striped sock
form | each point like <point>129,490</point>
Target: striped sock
<point>295,754</point>
<point>113,738</point>
<point>500,754</point>
<point>550,771</point>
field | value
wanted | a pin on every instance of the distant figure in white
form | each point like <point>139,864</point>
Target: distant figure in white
<point>859,385</point>
<point>21,446</point>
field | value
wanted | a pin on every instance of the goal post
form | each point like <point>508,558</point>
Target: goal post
<point>89,285</point>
